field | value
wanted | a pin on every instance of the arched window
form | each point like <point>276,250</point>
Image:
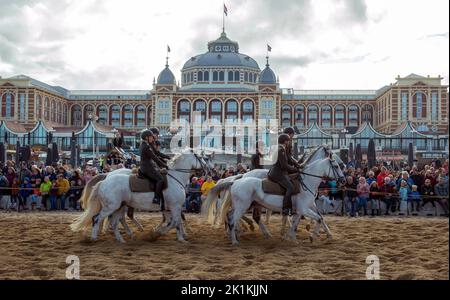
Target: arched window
<point>367,113</point>
<point>200,110</point>
<point>114,115</point>
<point>286,116</point>
<point>38,107</point>
<point>231,110</point>
<point>76,115</point>
<point>53,111</point>
<point>127,115</point>
<point>326,116</point>
<point>353,115</point>
<point>230,76</point>
<point>215,76</point>
<point>237,76</point>
<point>420,105</point>
<point>313,114</point>
<point>246,77</point>
<point>215,111</point>
<point>247,112</point>
<point>206,76</point>
<point>184,110</point>
<point>102,113</point>
<point>140,116</point>
<point>88,111</point>
<point>300,116</point>
<point>199,76</point>
<point>221,76</point>
<point>59,113</point>
<point>339,116</point>
<point>7,105</point>
<point>46,109</point>
<point>65,114</point>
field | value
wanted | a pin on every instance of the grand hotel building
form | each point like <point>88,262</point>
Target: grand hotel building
<point>221,84</point>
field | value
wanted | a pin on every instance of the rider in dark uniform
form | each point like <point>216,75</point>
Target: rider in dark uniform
<point>150,166</point>
<point>291,160</point>
<point>279,172</point>
<point>158,153</point>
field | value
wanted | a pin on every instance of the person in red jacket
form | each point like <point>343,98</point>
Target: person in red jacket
<point>383,174</point>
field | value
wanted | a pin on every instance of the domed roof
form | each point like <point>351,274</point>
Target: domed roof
<point>267,76</point>
<point>166,76</point>
<point>222,52</point>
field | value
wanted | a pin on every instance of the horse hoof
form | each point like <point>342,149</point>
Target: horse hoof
<point>311,239</point>
<point>308,227</point>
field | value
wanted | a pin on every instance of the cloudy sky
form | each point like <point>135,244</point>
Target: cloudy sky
<point>317,44</point>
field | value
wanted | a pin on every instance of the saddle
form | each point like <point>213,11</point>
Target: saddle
<point>140,184</point>
<point>273,188</point>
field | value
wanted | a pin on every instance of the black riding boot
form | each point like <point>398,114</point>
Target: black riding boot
<point>159,193</point>
<point>287,206</point>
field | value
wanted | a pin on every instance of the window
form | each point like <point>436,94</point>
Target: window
<point>221,76</point>
<point>339,116</point>
<point>216,106</point>
<point>404,106</point>
<point>367,113</point>
<point>419,104</point>
<point>185,106</point>
<point>267,104</point>
<point>313,112</point>
<point>215,76</point>
<point>164,119</point>
<point>237,76</point>
<point>231,110</point>
<point>326,116</point>
<point>22,107</point>
<point>246,76</point>
<point>247,106</point>
<point>200,76</point>
<point>128,116</point>
<point>102,112</point>
<point>115,115</point>
<point>300,116</point>
<point>163,104</point>
<point>76,115</point>
<point>38,107</point>
<point>286,116</point>
<point>353,115</point>
<point>59,113</point>
<point>184,110</point>
<point>230,76</point>
<point>206,76</point>
<point>434,106</point>
<point>200,106</point>
<point>140,116</point>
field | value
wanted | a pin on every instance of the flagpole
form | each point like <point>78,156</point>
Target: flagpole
<point>223,18</point>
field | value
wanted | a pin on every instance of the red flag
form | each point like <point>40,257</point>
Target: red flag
<point>225,10</point>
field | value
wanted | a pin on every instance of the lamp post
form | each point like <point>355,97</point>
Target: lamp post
<point>93,119</point>
<point>343,135</point>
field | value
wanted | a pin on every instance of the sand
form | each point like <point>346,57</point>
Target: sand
<point>35,246</point>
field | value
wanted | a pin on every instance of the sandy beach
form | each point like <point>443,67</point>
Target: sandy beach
<point>35,246</point>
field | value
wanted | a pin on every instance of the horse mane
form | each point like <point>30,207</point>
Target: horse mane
<point>308,159</point>
<point>173,160</point>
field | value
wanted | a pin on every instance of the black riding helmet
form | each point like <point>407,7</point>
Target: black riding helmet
<point>145,134</point>
<point>154,130</point>
<point>283,138</point>
<point>289,130</point>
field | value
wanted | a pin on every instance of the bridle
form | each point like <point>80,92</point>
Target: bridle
<point>328,177</point>
<point>198,160</point>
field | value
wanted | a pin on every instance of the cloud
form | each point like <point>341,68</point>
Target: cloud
<point>435,35</point>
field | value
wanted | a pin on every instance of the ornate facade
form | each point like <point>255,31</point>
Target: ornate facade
<point>225,84</point>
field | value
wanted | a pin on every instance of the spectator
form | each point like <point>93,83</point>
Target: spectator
<point>207,186</point>
<point>25,190</point>
<point>363,190</point>
<point>404,193</point>
<point>193,201</point>
<point>441,190</point>
<point>371,178</point>
<point>374,197</point>
<point>63,187</point>
<point>4,188</point>
<point>45,191</point>
<point>35,197</point>
<point>388,190</point>
<point>415,198</point>
<point>351,197</point>
<point>15,198</point>
<point>383,174</point>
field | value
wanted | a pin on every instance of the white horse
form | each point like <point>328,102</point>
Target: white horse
<point>119,216</point>
<point>109,195</point>
<point>222,190</point>
<point>247,190</point>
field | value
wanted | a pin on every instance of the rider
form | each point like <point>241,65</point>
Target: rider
<point>162,156</point>
<point>291,160</point>
<point>150,164</point>
<point>279,172</point>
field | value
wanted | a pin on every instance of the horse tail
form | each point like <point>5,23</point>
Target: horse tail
<point>225,207</point>
<point>82,222</point>
<point>210,202</point>
<point>88,189</point>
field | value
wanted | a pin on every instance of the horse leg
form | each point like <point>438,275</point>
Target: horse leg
<point>98,219</point>
<point>325,227</point>
<point>257,217</point>
<point>292,233</point>
<point>130,214</point>
<point>268,214</point>
<point>313,215</point>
